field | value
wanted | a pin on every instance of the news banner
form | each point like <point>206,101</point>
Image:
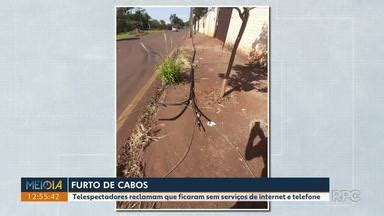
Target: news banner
<point>174,189</point>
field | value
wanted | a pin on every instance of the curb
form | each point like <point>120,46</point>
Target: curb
<point>131,38</point>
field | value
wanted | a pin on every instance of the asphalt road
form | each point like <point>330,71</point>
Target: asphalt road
<point>136,59</point>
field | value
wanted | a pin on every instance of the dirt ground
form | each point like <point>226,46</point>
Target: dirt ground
<point>236,147</point>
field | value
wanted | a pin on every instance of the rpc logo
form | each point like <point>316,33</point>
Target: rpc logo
<point>346,195</point>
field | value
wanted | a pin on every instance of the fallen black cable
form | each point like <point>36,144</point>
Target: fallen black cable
<point>185,153</point>
<point>190,101</point>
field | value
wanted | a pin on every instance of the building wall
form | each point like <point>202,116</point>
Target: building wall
<point>207,24</point>
<point>258,18</point>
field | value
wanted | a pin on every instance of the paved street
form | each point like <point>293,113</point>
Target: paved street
<point>136,81</point>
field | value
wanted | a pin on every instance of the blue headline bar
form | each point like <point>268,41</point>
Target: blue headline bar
<point>177,184</point>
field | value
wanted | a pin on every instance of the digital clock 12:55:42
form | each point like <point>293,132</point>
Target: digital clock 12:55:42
<point>44,196</point>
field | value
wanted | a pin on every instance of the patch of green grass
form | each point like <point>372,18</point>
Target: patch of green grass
<point>125,35</point>
<point>170,70</point>
<point>154,30</point>
<point>131,34</point>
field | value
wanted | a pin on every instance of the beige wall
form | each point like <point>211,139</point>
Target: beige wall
<point>208,22</point>
<point>259,16</point>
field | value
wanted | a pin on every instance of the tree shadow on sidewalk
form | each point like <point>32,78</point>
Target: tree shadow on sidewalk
<point>252,151</point>
<point>246,78</point>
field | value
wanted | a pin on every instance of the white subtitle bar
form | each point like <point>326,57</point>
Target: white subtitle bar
<point>195,196</point>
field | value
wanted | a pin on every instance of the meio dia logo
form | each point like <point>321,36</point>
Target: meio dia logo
<point>41,184</point>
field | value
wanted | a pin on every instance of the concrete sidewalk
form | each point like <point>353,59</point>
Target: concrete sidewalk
<point>236,146</point>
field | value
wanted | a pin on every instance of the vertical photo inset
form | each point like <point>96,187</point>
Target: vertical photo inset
<point>192,97</point>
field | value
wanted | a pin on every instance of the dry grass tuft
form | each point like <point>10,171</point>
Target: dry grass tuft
<point>130,163</point>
